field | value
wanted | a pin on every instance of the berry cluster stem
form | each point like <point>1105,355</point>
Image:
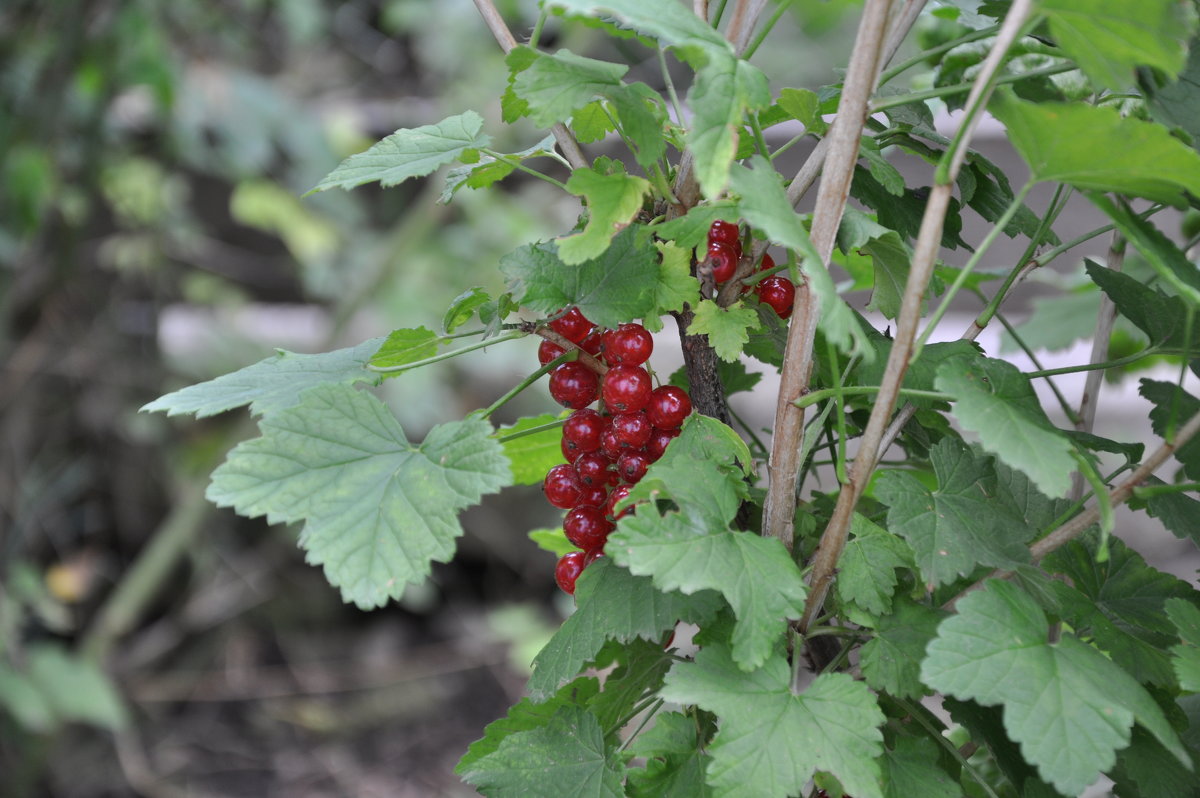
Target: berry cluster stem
<point>567,344</point>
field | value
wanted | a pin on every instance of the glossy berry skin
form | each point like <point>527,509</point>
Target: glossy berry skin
<point>592,496</point>
<point>569,449</point>
<point>561,486</point>
<point>632,466</point>
<point>593,343</point>
<point>572,325</point>
<point>724,261</point>
<point>725,233</point>
<point>573,385</point>
<point>633,430</point>
<point>626,389</point>
<point>659,441</point>
<point>583,429</point>
<point>629,344</point>
<point>586,527</point>
<point>669,405</point>
<point>567,571</point>
<point>591,555</point>
<point>618,493</point>
<point>610,444</point>
<point>778,292</point>
<point>592,469</point>
<point>548,350</point>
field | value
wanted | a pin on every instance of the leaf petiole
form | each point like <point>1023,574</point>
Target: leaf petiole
<point>446,355</point>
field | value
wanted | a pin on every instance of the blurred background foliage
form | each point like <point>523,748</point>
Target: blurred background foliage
<point>152,234</point>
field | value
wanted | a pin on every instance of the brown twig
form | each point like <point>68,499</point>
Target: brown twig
<point>742,21</point>
<point>566,344</point>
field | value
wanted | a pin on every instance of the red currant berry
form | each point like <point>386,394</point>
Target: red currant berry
<point>658,442</point>
<point>668,407</point>
<point>569,450</point>
<point>632,466</point>
<point>766,263</point>
<point>561,486</point>
<point>592,496</point>
<point>610,444</point>
<point>572,325</point>
<point>591,555</point>
<point>629,344</point>
<point>724,261</point>
<point>618,493</point>
<point>593,343</point>
<point>725,233</point>
<point>591,468</point>
<point>573,385</point>
<point>778,292</point>
<point>567,571</point>
<point>633,430</point>
<point>626,389</point>
<point>547,351</point>
<point>586,527</point>
<point>583,429</point>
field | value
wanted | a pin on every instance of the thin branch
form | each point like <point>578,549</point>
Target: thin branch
<point>843,138</point>
<point>833,540</point>
<point>566,344</point>
<point>566,140</point>
<point>741,24</point>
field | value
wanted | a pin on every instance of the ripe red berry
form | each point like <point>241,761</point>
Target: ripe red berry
<point>618,493</point>
<point>778,292</point>
<point>766,263</point>
<point>592,496</point>
<point>626,389</point>
<point>658,442</point>
<point>567,571</point>
<point>583,429</point>
<point>591,555</point>
<point>593,343</point>
<point>547,351</point>
<point>633,430</point>
<point>724,261</point>
<point>586,527</point>
<point>610,444</point>
<point>669,405</point>
<point>561,486</point>
<point>632,466</point>
<point>629,344</point>
<point>572,325</point>
<point>573,385</point>
<point>725,233</point>
<point>591,468</point>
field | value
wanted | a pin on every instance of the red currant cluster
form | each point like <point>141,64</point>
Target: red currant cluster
<point>607,451</point>
<point>725,250</point>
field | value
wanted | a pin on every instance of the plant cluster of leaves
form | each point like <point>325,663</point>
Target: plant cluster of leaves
<point>1057,657</point>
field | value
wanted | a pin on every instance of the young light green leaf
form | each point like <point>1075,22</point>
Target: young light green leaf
<point>409,152</point>
<point>1173,406</point>
<point>675,287</point>
<point>75,688</point>
<point>1186,655</point>
<point>377,509</point>
<point>763,202</point>
<point>675,760</point>
<point>668,21</point>
<point>531,456</point>
<point>890,256</point>
<point>727,328</point>
<point>490,169</point>
<point>771,740</point>
<point>993,399</point>
<point>612,202</point>
<point>1068,706</point>
<point>271,384</point>
<point>911,768</point>
<point>891,661</point>
<point>552,540</point>
<point>1109,39</point>
<point>724,90</point>
<point>1095,148</point>
<point>609,289</point>
<point>805,107</point>
<point>612,605</point>
<point>958,526</point>
<point>554,86</point>
<point>566,758</point>
<point>867,569</point>
<point>406,346</point>
<point>463,308</point>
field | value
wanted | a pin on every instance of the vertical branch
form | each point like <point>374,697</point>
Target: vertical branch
<point>833,540</point>
<point>842,149</point>
<point>741,24</point>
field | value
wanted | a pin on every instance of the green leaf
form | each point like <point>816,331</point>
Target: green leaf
<point>771,741</point>
<point>410,152</point>
<point>1095,148</point>
<point>1162,318</point>
<point>1168,260</point>
<point>958,526</point>
<point>1021,493</point>
<point>552,540</point>
<point>1068,706</point>
<point>271,384</point>
<point>612,202</point>
<point>867,568</point>
<point>1173,406</point>
<point>489,169</point>
<point>921,374</point>
<point>890,255</point>
<point>1147,770</point>
<point>891,661</point>
<point>377,509</point>
<point>566,758</point>
<point>1177,104</point>
<point>592,122</point>
<point>1109,39</point>
<point>642,116</point>
<point>723,91</point>
<point>992,196</point>
<point>734,377</point>
<point>664,20</point>
<point>676,287</point>
<point>28,707</point>
<point>805,107</point>
<point>763,202</point>
<point>406,346</point>
<point>643,664</point>
<point>75,688</point>
<point>612,605</point>
<point>1186,655</point>
<point>911,768</point>
<point>993,399</point>
<point>675,760</point>
<point>463,308</point>
<point>691,230</point>
<point>555,86</point>
<point>1059,321</point>
<point>880,168</point>
<point>727,328</point>
<point>1177,511</point>
<point>609,289</point>
<point>531,456</point>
